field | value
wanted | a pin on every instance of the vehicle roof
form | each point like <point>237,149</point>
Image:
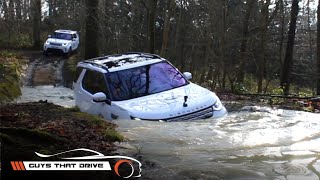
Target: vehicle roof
<point>65,31</point>
<point>119,62</point>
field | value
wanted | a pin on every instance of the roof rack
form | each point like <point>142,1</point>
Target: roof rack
<point>143,53</point>
<point>96,64</point>
<point>127,53</point>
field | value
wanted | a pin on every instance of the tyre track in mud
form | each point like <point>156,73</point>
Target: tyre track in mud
<point>44,70</point>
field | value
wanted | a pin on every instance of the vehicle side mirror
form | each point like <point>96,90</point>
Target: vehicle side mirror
<point>49,36</point>
<point>99,97</point>
<point>187,75</point>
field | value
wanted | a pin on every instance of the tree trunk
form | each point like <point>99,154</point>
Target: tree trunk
<point>18,9</point>
<point>166,27</point>
<point>152,25</point>
<point>11,10</point>
<point>92,29</point>
<point>284,81</point>
<point>310,39</point>
<point>177,41</point>
<point>25,9</point>
<point>36,20</point>
<point>223,42</point>
<point>262,60</point>
<point>5,10</point>
<point>243,46</point>
<point>281,34</point>
<point>318,49</point>
<point>82,34</point>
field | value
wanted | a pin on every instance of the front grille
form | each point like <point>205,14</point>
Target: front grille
<point>55,44</point>
<point>204,113</point>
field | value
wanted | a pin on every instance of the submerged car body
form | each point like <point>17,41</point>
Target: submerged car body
<point>141,86</point>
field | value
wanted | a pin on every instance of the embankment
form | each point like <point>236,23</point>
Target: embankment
<point>12,66</point>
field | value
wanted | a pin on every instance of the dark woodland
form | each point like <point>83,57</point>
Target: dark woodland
<point>251,46</point>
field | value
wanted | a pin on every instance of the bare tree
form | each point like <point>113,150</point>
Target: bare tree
<point>36,19</point>
<point>318,49</point>
<point>152,25</point>
<point>287,66</point>
<point>264,27</point>
<point>243,46</point>
<point>282,14</point>
<point>92,29</point>
<point>166,29</point>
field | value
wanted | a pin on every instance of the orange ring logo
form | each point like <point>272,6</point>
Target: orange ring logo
<point>116,167</point>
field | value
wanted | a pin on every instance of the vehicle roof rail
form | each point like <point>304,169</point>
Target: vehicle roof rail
<point>96,64</point>
<point>143,53</point>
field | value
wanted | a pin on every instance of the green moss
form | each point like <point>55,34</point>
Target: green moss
<point>41,136</point>
<point>21,142</point>
<point>7,54</point>
<point>9,83</point>
<point>4,138</point>
<point>72,63</point>
<point>110,134</point>
<point>10,72</point>
<point>69,69</point>
<point>113,135</point>
<point>47,128</point>
<point>17,40</point>
<point>74,109</point>
<point>91,119</point>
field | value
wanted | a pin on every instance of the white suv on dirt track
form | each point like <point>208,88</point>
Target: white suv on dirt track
<point>141,86</point>
<point>65,41</point>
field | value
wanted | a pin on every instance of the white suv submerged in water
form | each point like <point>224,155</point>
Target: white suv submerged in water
<point>141,86</point>
<point>65,41</point>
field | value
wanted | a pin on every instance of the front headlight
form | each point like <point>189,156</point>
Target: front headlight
<point>217,106</point>
<point>64,44</point>
<point>47,42</point>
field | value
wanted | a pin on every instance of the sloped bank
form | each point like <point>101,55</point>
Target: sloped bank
<point>11,69</point>
<point>26,128</point>
<point>43,127</point>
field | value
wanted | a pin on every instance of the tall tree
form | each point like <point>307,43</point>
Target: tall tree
<point>166,28</point>
<point>245,36</point>
<point>264,27</point>
<point>318,48</point>
<point>36,20</point>
<point>92,29</point>
<point>18,9</point>
<point>223,42</point>
<point>287,66</point>
<point>152,24</point>
<point>282,25</point>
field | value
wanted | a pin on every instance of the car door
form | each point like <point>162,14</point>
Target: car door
<point>91,83</point>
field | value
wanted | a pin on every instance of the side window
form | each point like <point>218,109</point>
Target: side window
<point>74,36</point>
<point>94,82</point>
<point>78,72</point>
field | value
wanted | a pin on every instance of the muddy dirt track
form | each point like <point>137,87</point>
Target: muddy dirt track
<point>44,70</point>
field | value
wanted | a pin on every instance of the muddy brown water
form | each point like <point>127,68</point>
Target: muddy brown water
<point>263,144</point>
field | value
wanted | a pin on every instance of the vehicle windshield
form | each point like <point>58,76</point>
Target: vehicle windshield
<point>62,36</point>
<point>144,80</point>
